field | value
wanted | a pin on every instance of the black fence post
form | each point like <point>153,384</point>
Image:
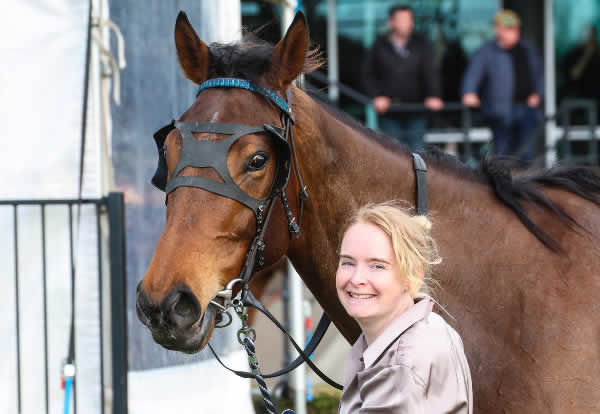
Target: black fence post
<point>566,124</point>
<point>116,216</point>
<point>592,114</point>
<point>466,124</point>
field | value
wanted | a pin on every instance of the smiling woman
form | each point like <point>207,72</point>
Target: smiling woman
<point>408,359</point>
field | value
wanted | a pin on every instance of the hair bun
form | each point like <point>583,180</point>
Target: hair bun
<point>423,221</point>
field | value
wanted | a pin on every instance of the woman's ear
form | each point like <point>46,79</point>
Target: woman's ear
<point>194,56</point>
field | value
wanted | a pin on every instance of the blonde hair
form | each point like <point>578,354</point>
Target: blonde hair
<point>414,248</point>
<point>507,18</point>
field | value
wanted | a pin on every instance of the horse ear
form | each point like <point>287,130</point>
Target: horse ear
<point>194,55</point>
<point>289,54</point>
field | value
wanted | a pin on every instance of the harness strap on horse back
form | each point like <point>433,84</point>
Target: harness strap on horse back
<point>421,173</point>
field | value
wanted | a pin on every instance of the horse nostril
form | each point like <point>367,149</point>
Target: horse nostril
<point>183,308</point>
<point>146,312</point>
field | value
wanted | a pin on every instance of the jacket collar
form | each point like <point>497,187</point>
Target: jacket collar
<point>355,363</point>
<point>409,41</point>
<point>363,356</point>
<point>518,44</point>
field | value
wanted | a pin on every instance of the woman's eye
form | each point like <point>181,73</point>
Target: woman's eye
<point>257,162</point>
<point>346,264</point>
<point>378,266</point>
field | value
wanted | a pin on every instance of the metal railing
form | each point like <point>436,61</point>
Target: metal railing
<point>371,117</point>
<point>466,128</point>
<point>567,107</point>
<point>113,207</point>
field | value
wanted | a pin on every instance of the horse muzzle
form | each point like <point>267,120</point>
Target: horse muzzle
<point>177,322</point>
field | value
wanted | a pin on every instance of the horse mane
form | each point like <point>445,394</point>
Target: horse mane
<point>250,58</point>
<point>432,155</point>
<point>525,186</point>
<point>513,187</point>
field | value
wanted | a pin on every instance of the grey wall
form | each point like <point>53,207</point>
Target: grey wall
<point>153,91</point>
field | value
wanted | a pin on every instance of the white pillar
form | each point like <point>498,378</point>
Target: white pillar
<point>220,21</point>
<point>288,11</point>
<point>368,39</point>
<point>333,72</point>
<point>295,285</point>
<point>99,86</point>
<point>296,312</point>
<point>549,81</point>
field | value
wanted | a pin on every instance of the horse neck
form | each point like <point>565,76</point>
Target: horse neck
<point>344,169</point>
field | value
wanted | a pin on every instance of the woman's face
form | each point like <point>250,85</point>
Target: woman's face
<point>369,283</point>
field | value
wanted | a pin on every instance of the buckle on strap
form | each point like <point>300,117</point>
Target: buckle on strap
<point>227,296</point>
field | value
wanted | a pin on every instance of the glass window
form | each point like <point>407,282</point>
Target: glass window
<point>577,50</point>
<point>470,20</point>
<point>456,28</point>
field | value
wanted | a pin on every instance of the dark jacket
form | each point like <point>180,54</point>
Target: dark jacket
<point>408,79</point>
<point>490,74</point>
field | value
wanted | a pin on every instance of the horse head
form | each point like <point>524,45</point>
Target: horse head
<point>216,206</point>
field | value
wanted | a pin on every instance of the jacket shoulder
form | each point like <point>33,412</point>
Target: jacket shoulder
<point>426,343</point>
<point>380,41</point>
<point>529,46</point>
<point>420,39</point>
<point>487,48</point>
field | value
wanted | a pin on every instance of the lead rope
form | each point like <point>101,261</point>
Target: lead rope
<point>246,337</point>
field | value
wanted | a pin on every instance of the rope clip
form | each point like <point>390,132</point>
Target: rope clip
<point>228,302</point>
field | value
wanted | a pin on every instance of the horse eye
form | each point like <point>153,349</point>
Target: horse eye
<point>257,162</point>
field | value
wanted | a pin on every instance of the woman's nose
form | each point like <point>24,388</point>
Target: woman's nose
<point>358,277</point>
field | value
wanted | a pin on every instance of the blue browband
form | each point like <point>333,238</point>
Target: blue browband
<point>245,84</point>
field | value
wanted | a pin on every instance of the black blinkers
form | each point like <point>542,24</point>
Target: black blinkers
<point>214,154</point>
<point>159,179</point>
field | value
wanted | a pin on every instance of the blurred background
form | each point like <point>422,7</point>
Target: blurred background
<point>84,85</point>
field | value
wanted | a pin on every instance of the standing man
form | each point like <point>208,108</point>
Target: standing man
<point>509,74</point>
<point>400,69</point>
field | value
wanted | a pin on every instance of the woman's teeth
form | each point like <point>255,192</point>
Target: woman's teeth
<point>357,296</point>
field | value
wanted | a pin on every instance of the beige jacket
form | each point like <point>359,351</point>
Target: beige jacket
<point>416,365</point>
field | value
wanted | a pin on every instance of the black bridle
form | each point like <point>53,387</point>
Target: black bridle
<point>213,154</point>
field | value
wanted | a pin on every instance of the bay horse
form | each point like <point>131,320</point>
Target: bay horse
<point>521,268</point>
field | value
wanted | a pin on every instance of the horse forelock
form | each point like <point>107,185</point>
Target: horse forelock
<point>250,58</point>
